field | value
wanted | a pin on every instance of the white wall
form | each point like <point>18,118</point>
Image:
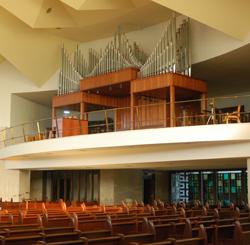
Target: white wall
<point>24,110</point>
<point>14,183</point>
<point>12,81</point>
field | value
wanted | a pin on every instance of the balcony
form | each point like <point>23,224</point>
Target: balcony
<point>216,137</point>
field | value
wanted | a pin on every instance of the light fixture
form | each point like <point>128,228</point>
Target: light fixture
<point>66,112</point>
<point>97,91</point>
<point>48,11</point>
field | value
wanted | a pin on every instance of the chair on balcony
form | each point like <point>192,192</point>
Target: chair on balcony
<point>233,116</point>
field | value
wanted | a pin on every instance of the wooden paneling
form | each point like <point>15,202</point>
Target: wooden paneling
<point>150,113</point>
<point>71,127</point>
<point>103,100</point>
<point>189,83</point>
<point>166,80</point>
<point>150,83</point>
<point>122,119</point>
<point>111,78</point>
<point>67,99</point>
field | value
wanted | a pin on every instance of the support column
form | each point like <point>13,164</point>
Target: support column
<point>203,102</point>
<point>83,109</point>
<point>53,112</point>
<point>248,179</point>
<point>203,107</point>
<point>172,106</point>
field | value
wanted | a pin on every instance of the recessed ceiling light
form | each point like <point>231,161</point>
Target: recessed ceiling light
<point>48,11</point>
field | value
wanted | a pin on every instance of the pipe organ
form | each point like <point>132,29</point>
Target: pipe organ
<point>171,55</point>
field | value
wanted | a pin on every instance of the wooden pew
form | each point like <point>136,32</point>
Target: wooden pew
<point>61,237</point>
<point>140,238</point>
<point>241,236</point>
<point>112,240</point>
<point>24,240</point>
<point>76,242</point>
<point>224,234</point>
<point>52,221</point>
<point>200,240</point>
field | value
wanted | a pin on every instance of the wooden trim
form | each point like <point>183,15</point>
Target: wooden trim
<point>166,80</point>
<point>110,78</point>
<point>67,99</point>
<point>103,100</point>
<point>150,83</point>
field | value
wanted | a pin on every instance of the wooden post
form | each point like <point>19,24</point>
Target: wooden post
<point>203,102</point>
<point>53,112</point>
<point>172,106</point>
<point>203,108</point>
<point>106,121</point>
<point>83,109</point>
<point>79,186</point>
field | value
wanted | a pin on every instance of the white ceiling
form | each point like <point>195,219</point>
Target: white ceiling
<point>226,74</point>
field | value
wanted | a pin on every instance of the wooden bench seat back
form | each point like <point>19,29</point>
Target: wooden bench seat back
<point>112,240</point>
<point>60,237</point>
<point>125,228</point>
<point>25,240</point>
<point>224,234</point>
<point>140,238</point>
<point>161,232</point>
<point>241,237</point>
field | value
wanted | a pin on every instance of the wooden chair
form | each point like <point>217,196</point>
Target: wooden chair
<point>233,116</point>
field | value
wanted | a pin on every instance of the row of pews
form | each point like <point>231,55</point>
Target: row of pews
<point>77,223</point>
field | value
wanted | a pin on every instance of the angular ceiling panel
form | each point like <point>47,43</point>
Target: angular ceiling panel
<point>2,59</point>
<point>35,53</point>
<point>54,15</point>
<point>101,24</point>
<point>230,17</point>
<point>39,13</point>
<point>25,10</point>
<point>98,4</point>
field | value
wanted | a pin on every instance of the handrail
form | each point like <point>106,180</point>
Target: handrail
<point>32,128</point>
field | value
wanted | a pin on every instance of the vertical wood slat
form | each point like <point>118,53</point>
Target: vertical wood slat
<point>65,186</point>
<point>79,186</point>
<point>71,198</point>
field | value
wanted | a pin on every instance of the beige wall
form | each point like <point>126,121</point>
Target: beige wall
<point>24,110</point>
<point>107,186</point>
<point>24,184</point>
<point>128,185</point>
<point>36,185</point>
<point>12,81</point>
<point>118,185</point>
<point>14,183</point>
<point>162,179</point>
